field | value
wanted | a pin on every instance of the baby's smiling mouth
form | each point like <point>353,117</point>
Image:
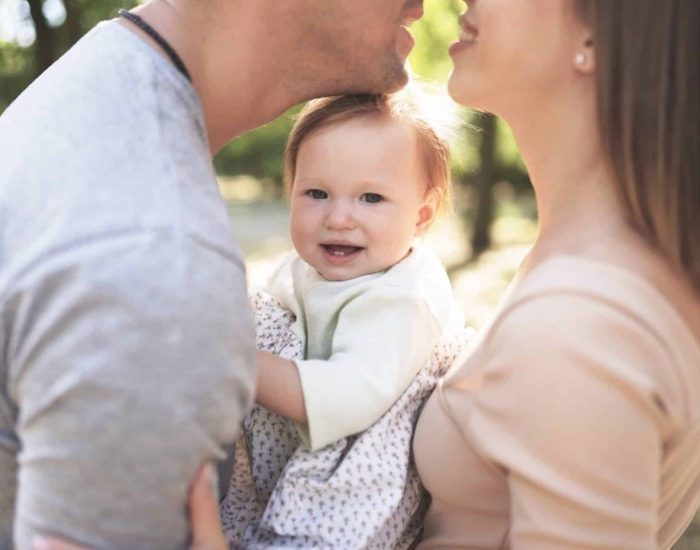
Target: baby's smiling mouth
<point>341,250</point>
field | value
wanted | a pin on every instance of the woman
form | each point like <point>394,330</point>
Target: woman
<point>575,421</point>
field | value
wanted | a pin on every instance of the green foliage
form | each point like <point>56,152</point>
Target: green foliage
<point>260,152</point>
<point>434,33</point>
<point>16,68</point>
<point>13,59</point>
<point>93,11</point>
<point>17,64</point>
<point>512,167</point>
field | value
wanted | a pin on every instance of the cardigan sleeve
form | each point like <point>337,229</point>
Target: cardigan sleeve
<point>574,417</point>
<point>383,337</point>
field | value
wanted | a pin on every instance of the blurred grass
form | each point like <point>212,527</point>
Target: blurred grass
<point>261,218</point>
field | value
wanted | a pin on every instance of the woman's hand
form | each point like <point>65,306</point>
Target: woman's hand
<point>207,533</point>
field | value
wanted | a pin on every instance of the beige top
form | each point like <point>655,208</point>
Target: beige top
<point>555,435</point>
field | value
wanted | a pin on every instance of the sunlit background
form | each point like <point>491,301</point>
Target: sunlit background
<point>481,240</point>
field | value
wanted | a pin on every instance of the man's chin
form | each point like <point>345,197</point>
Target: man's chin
<point>391,76</point>
<point>394,77</point>
<point>400,77</point>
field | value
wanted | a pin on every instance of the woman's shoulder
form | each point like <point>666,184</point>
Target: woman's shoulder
<point>606,287</point>
<point>577,314</point>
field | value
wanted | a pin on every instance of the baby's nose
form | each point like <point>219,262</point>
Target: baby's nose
<point>340,215</point>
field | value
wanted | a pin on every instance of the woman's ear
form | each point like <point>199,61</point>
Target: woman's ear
<point>427,211</point>
<point>584,58</point>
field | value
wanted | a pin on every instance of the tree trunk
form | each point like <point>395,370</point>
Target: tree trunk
<point>74,29</point>
<point>481,238</point>
<point>43,47</point>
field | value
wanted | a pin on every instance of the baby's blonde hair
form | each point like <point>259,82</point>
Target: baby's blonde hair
<point>410,104</point>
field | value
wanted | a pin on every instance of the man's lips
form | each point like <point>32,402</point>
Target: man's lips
<point>404,42</point>
<point>411,13</point>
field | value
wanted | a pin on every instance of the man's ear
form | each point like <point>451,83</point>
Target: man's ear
<point>426,214</point>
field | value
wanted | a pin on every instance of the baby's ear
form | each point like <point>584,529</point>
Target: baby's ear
<point>427,212</point>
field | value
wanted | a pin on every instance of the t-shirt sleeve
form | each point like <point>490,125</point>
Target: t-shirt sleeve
<point>131,362</point>
<point>382,339</point>
<point>569,409</point>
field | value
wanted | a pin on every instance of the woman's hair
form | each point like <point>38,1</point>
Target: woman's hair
<point>648,80</point>
<point>424,113</point>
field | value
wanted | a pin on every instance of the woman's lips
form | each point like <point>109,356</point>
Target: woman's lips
<point>468,36</point>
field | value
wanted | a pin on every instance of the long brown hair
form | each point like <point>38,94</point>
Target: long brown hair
<point>648,79</point>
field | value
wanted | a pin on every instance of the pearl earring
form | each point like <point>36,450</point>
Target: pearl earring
<point>580,58</point>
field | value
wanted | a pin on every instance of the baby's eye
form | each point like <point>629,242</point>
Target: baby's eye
<point>317,194</point>
<point>372,198</point>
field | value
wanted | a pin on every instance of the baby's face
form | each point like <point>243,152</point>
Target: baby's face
<point>359,197</point>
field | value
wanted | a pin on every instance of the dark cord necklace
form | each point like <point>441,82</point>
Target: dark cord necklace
<point>162,42</point>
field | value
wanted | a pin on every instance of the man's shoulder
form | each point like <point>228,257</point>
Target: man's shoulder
<point>87,154</point>
<point>105,97</point>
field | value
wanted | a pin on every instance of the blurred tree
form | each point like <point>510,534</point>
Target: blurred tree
<point>258,153</point>
<point>44,50</point>
<point>486,152</point>
<point>16,72</point>
<point>73,27</point>
<point>485,180</point>
<point>21,62</point>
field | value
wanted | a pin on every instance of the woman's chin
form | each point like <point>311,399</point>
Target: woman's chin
<point>460,91</point>
<point>464,90</point>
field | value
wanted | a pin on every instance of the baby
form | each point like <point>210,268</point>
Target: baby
<point>366,176</point>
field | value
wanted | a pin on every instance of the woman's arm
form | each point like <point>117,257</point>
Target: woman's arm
<point>569,410</point>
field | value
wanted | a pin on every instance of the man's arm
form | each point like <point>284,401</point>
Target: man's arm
<point>131,363</point>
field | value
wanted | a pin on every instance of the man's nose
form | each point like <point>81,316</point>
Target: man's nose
<point>340,215</point>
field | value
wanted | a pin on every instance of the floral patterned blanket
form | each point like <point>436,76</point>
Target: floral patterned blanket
<point>360,492</point>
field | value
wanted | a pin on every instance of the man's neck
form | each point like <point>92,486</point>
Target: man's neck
<point>228,63</point>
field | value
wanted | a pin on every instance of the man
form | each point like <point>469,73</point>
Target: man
<point>126,342</point>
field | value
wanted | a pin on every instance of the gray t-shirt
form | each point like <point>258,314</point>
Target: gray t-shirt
<point>126,338</point>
